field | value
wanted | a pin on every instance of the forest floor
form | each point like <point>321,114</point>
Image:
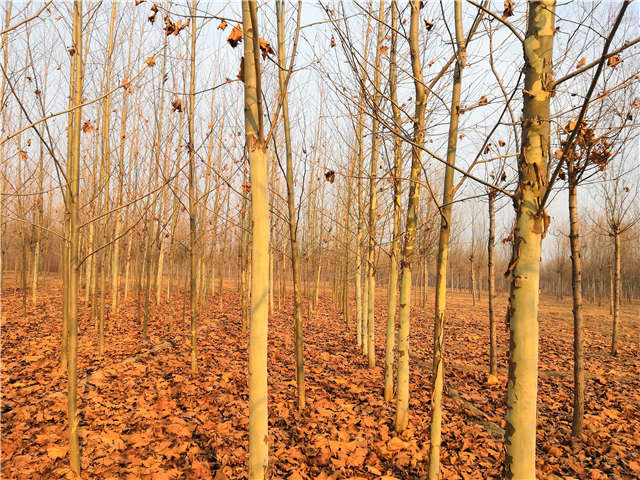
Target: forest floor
<point>143,415</point>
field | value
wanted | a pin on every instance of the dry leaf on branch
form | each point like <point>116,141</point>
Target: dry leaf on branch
<point>235,36</point>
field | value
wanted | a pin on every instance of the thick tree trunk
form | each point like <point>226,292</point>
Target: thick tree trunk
<point>258,413</point>
<point>520,437</point>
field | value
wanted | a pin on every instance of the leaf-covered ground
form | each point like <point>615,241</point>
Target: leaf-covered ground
<point>145,416</point>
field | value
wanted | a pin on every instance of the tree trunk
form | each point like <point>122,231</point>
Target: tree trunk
<point>443,253</point>
<point>293,239</point>
<point>493,361</point>
<point>402,401</point>
<point>616,291</point>
<point>258,413</point>
<point>578,324</point>
<point>520,437</point>
<point>395,241</point>
<point>72,204</point>
<point>193,254</point>
<point>373,183</point>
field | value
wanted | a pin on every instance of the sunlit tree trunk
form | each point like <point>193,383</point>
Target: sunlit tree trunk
<point>258,328</point>
<point>443,253</point>
<point>72,205</point>
<point>402,401</point>
<point>395,241</point>
<point>3,151</point>
<point>293,240</point>
<point>520,432</point>
<point>373,183</point>
<point>106,158</point>
<point>493,362</point>
<point>616,290</point>
<point>576,285</point>
<point>193,254</point>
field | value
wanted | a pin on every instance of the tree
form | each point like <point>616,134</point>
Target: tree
<point>257,150</point>
<point>402,402</point>
<point>530,226</point>
<point>283,77</point>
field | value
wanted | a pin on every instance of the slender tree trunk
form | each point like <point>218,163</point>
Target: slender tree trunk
<point>72,204</point>
<point>127,267</point>
<point>295,258</point>
<point>520,437</point>
<point>473,280</point>
<point>578,324</point>
<point>616,290</point>
<point>193,254</point>
<point>443,254</point>
<point>373,198</point>
<point>402,401</point>
<point>397,193</point>
<point>493,361</point>
<point>106,159</point>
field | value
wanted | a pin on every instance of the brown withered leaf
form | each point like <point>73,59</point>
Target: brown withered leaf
<point>240,74</point>
<point>265,48</point>
<point>222,25</point>
<point>614,61</point>
<point>154,10</point>
<point>508,9</point>
<point>176,105</point>
<point>330,176</point>
<point>235,36</point>
<point>87,126</point>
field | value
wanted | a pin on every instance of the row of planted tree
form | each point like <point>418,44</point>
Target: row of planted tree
<point>157,198</point>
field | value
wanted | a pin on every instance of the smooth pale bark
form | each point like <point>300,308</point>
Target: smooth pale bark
<point>3,115</point>
<point>616,289</point>
<point>37,232</point>
<point>106,159</point>
<point>493,362</point>
<point>365,321</point>
<point>127,268</point>
<point>520,431</point>
<point>373,196</point>
<point>258,328</point>
<point>578,322</point>
<point>402,401</point>
<point>395,241</point>
<point>72,205</point>
<point>193,254</point>
<point>473,278</point>
<point>443,254</point>
<point>90,265</point>
<point>117,230</point>
<point>293,239</point>
<point>359,222</point>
